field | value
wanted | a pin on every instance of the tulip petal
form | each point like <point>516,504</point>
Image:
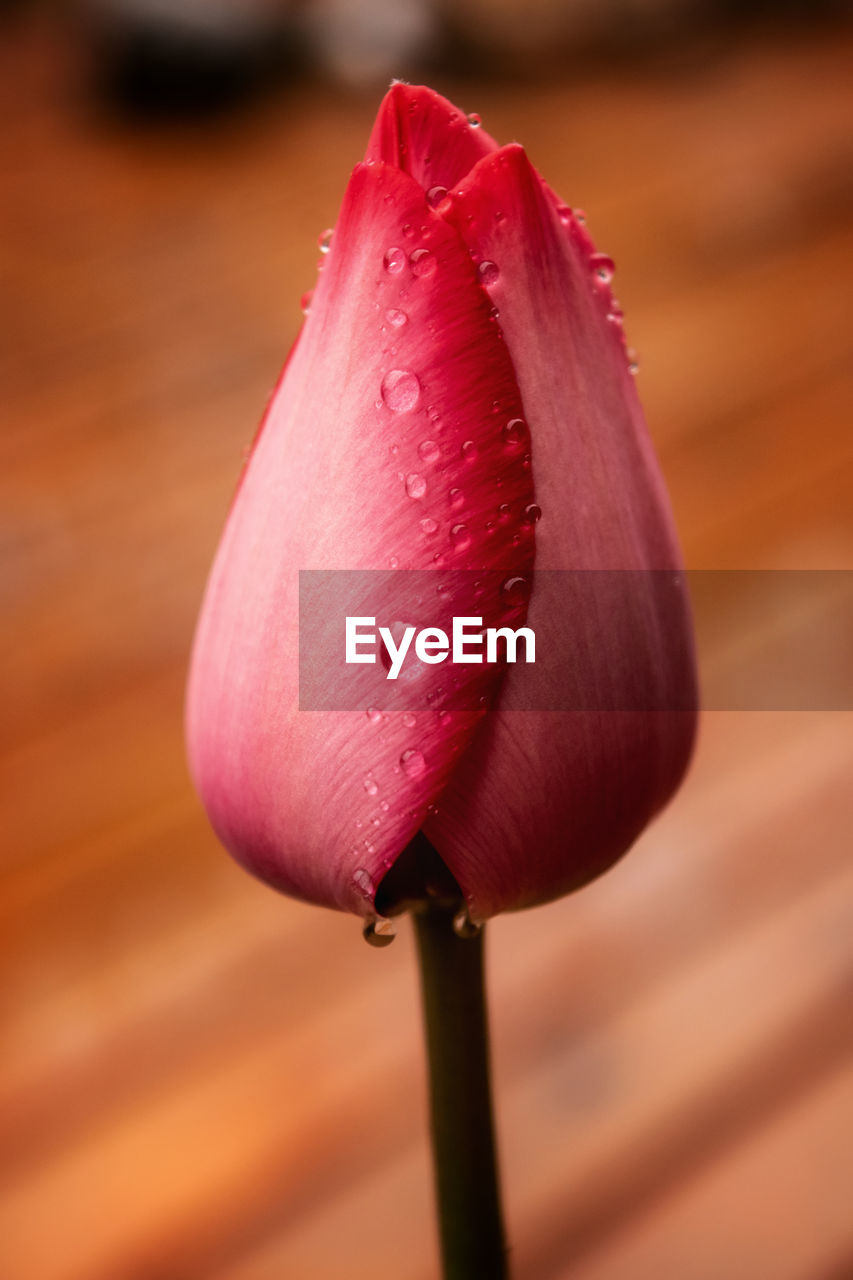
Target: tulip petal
<point>423,134</point>
<point>543,801</point>
<point>399,350</point>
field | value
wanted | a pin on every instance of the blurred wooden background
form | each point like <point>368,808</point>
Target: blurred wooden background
<point>202,1081</point>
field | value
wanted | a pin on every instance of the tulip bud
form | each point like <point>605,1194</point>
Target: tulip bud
<point>462,372</point>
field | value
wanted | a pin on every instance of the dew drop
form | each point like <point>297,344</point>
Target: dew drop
<point>408,230</point>
<point>515,433</point>
<point>464,926</point>
<point>633,368</point>
<point>460,537</point>
<point>489,272</point>
<point>457,498</point>
<point>564,213</point>
<point>603,266</point>
<point>436,196</point>
<point>396,318</point>
<point>363,882</point>
<point>515,591</point>
<point>370,787</point>
<point>409,720</point>
<point>324,240</point>
<point>394,260</point>
<point>415,485</point>
<point>580,216</point>
<point>428,450</point>
<point>400,390</point>
<point>413,763</point>
<point>469,450</point>
<point>379,931</point>
<point>504,512</point>
<point>305,301</point>
<point>393,563</point>
<point>444,718</point>
<point>374,715</point>
<point>474,120</point>
<point>532,513</point>
<point>428,525</point>
<point>423,263</point>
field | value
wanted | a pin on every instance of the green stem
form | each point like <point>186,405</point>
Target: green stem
<point>466,1174</point>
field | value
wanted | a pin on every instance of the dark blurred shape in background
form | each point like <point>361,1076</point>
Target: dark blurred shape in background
<point>158,58</point>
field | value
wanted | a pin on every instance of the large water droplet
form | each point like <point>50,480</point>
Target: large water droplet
<point>436,196</point>
<point>515,433</point>
<point>429,525</point>
<point>515,591</point>
<point>416,486</point>
<point>532,513</point>
<point>396,317</point>
<point>474,120</point>
<point>464,926</point>
<point>489,272</point>
<point>429,450</point>
<point>413,763</point>
<point>374,715</point>
<point>379,931</point>
<point>423,263</point>
<point>564,213</point>
<point>324,240</point>
<point>394,260</point>
<point>400,390</point>
<point>460,537</point>
<point>603,266</point>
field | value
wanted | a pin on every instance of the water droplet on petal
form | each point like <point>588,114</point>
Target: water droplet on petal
<point>409,720</point>
<point>428,525</point>
<point>413,763</point>
<point>532,513</point>
<point>400,390</point>
<point>393,563</point>
<point>374,715</point>
<point>464,926</point>
<point>489,272</point>
<point>515,591</point>
<point>515,433</point>
<point>504,512</point>
<point>580,216</point>
<point>603,266</point>
<point>436,196</point>
<point>429,450</point>
<point>396,317</point>
<point>457,497</point>
<point>379,931</point>
<point>394,260</point>
<point>423,263</point>
<point>305,301</point>
<point>460,537</point>
<point>370,787</point>
<point>444,718</point>
<point>474,120</point>
<point>363,882</point>
<point>469,450</point>
<point>324,240</point>
<point>415,485</point>
<point>564,213</point>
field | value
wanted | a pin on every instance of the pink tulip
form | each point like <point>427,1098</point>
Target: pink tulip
<point>463,365</point>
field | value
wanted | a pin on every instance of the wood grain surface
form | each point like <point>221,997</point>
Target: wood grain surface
<point>200,1080</point>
